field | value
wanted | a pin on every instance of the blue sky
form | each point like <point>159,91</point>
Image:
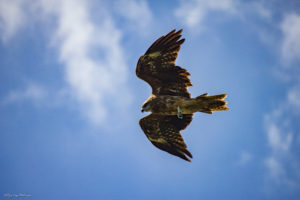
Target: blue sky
<point>70,100</point>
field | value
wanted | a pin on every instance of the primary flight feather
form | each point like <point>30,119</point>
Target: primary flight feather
<point>170,103</point>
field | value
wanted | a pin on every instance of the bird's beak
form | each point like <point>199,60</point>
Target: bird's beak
<point>142,110</point>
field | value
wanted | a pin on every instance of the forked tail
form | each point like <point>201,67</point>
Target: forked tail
<point>212,103</point>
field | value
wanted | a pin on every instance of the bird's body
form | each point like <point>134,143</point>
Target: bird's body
<point>170,103</point>
<point>167,104</point>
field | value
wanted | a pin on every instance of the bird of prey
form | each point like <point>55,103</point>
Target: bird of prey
<point>170,103</point>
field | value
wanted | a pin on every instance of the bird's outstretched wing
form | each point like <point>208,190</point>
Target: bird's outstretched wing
<point>163,131</point>
<point>157,67</point>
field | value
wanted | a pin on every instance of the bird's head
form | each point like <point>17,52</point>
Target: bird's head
<point>146,107</point>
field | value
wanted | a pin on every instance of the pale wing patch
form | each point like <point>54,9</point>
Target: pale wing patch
<point>154,55</point>
<point>159,140</point>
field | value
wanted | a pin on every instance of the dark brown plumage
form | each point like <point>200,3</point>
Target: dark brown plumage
<point>163,131</point>
<point>170,103</point>
<point>157,67</point>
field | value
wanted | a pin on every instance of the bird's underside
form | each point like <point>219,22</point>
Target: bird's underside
<point>175,105</point>
<point>170,104</point>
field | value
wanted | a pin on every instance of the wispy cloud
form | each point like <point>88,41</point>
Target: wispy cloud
<point>259,8</point>
<point>32,92</point>
<point>94,82</point>
<point>137,12</point>
<point>293,97</point>
<point>96,70</point>
<point>245,158</point>
<point>12,18</point>
<point>197,15</point>
<point>282,164</point>
<point>290,28</point>
<point>278,140</point>
<point>193,12</point>
<point>275,170</point>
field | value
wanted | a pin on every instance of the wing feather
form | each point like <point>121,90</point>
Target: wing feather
<point>163,131</point>
<point>157,67</point>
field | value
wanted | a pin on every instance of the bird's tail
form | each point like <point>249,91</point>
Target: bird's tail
<point>212,103</point>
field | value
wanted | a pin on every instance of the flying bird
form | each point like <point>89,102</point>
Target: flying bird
<point>170,103</point>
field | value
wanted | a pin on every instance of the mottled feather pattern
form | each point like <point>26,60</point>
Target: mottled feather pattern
<point>169,58</point>
<point>163,131</point>
<point>170,99</point>
<point>157,67</point>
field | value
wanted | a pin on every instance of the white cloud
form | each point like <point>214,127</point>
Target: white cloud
<point>293,98</point>
<point>261,10</point>
<point>290,28</point>
<point>275,170</point>
<point>94,82</point>
<point>32,92</point>
<point>280,141</point>
<point>281,164</point>
<point>12,18</point>
<point>193,12</point>
<point>96,69</point>
<point>197,15</point>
